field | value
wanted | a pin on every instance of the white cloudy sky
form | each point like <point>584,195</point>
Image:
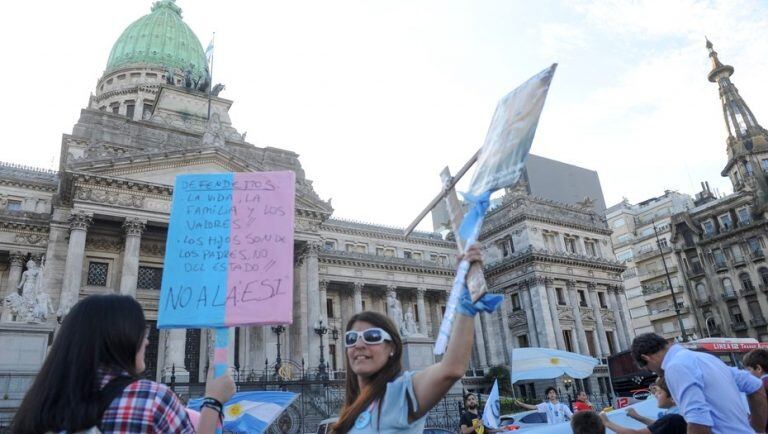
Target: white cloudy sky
<point>378,96</point>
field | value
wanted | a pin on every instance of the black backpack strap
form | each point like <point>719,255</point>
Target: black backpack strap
<point>112,390</point>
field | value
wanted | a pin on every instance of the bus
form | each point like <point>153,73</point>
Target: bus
<point>630,383</point>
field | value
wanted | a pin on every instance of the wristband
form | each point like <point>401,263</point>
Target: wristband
<point>213,404</point>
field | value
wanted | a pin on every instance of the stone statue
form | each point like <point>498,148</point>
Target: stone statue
<point>213,134</point>
<point>29,278</point>
<point>396,313</point>
<point>410,322</point>
<point>217,89</point>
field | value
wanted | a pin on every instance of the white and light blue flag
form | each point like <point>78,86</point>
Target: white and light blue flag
<point>209,51</point>
<point>251,412</point>
<point>492,410</point>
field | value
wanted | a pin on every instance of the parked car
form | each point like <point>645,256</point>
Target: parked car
<point>437,431</point>
<point>523,420</point>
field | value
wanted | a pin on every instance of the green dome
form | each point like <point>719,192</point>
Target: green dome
<point>159,39</point>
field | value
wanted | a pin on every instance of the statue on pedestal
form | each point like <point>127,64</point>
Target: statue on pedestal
<point>410,322</point>
<point>34,303</point>
<point>396,312</point>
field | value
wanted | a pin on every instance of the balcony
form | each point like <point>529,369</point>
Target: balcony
<point>757,255</point>
<point>705,301</point>
<point>652,274</point>
<point>721,266</point>
<point>729,296</point>
<point>763,287</point>
<point>750,290</point>
<point>666,313</point>
<point>694,271</point>
<point>739,326</point>
<point>738,262</point>
<point>647,254</point>
<point>651,292</point>
<point>758,322</point>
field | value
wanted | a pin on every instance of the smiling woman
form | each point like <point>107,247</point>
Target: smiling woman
<point>380,397</point>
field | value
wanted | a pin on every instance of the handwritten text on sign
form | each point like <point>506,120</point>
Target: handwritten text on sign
<point>229,256</point>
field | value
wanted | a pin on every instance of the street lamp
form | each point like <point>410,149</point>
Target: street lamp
<point>321,329</point>
<point>278,329</point>
<point>669,281</point>
<point>567,382</point>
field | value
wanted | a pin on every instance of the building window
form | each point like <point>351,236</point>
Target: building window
<point>560,296</point>
<point>701,291</point>
<point>601,299</point>
<point>624,256</point>
<point>407,254</point>
<point>97,273</point>
<point>590,246</point>
<point>717,254</point>
<point>609,337</point>
<point>146,111</point>
<point>114,107</point>
<point>507,246</point>
<point>736,253</point>
<point>149,278</point>
<point>743,215</point>
<point>755,247</point>
<point>763,275</point>
<point>726,223</point>
<point>130,108</point>
<point>619,223</point>
<point>708,226</point>
<point>13,205</point>
<point>570,245</point>
<point>754,311</point>
<point>329,308</point>
<point>415,312</point>
<point>623,238</point>
<point>568,340</point>
<point>549,241</point>
<point>748,168</point>
<point>582,298</point>
<point>515,301</point>
<point>746,282</point>
<point>727,286</point>
<point>522,341</point>
<point>764,163</point>
<point>416,256</point>
<point>736,315</point>
<point>663,243</point>
<point>364,305</point>
<point>329,245</point>
<point>379,251</point>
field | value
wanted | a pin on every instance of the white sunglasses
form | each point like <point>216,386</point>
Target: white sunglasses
<point>371,336</point>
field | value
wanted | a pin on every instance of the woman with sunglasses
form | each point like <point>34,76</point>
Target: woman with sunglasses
<point>382,398</point>
<point>91,379</point>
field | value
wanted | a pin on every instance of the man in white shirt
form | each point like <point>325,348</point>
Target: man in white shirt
<point>555,410</point>
<point>708,392</point>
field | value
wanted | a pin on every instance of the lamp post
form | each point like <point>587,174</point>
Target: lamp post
<point>568,382</point>
<point>278,330</point>
<point>321,329</point>
<point>335,336</point>
<point>669,281</point>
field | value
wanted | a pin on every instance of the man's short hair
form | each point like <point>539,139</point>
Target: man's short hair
<point>467,395</point>
<point>755,358</point>
<point>587,422</point>
<point>546,392</point>
<point>646,344</point>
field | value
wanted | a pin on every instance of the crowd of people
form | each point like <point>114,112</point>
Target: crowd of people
<point>91,382</point>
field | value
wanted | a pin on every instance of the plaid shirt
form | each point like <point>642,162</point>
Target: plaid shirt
<point>145,407</point>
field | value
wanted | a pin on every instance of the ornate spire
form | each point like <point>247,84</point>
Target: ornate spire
<point>739,120</point>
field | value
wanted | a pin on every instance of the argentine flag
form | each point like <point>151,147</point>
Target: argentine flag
<point>209,51</point>
<point>492,410</point>
<point>251,412</point>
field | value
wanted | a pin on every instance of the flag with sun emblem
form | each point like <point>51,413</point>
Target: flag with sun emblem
<point>543,363</point>
<point>251,412</point>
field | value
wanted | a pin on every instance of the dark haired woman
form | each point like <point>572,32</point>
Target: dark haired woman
<point>91,378</point>
<point>382,398</point>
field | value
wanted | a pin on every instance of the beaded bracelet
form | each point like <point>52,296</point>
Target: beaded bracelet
<point>213,404</point>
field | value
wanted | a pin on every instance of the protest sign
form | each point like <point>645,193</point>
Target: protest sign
<point>229,254</point>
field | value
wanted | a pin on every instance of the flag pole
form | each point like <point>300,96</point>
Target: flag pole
<point>210,76</point>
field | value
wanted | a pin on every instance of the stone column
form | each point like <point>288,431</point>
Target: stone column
<point>620,326</point>
<point>552,299</point>
<point>422,310</point>
<point>625,316</point>
<point>603,349</point>
<point>175,343</point>
<point>313,308</point>
<point>128,277</point>
<point>527,305</point>
<point>324,298</point>
<point>73,267</point>
<point>16,261</point>
<point>299,338</point>
<point>580,336</point>
<point>358,295</point>
<point>480,343</point>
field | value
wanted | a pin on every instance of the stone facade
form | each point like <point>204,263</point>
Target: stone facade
<point>554,264</point>
<point>651,303</point>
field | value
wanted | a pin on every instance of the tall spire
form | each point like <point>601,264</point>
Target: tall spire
<point>739,120</point>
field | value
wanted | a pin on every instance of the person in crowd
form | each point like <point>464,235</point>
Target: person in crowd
<point>472,417</point>
<point>669,423</point>
<point>708,392</point>
<point>587,422</point>
<point>555,410</point>
<point>582,403</point>
<point>380,397</point>
<point>756,362</point>
<point>91,378</point>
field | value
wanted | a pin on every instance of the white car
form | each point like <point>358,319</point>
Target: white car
<point>523,420</point>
